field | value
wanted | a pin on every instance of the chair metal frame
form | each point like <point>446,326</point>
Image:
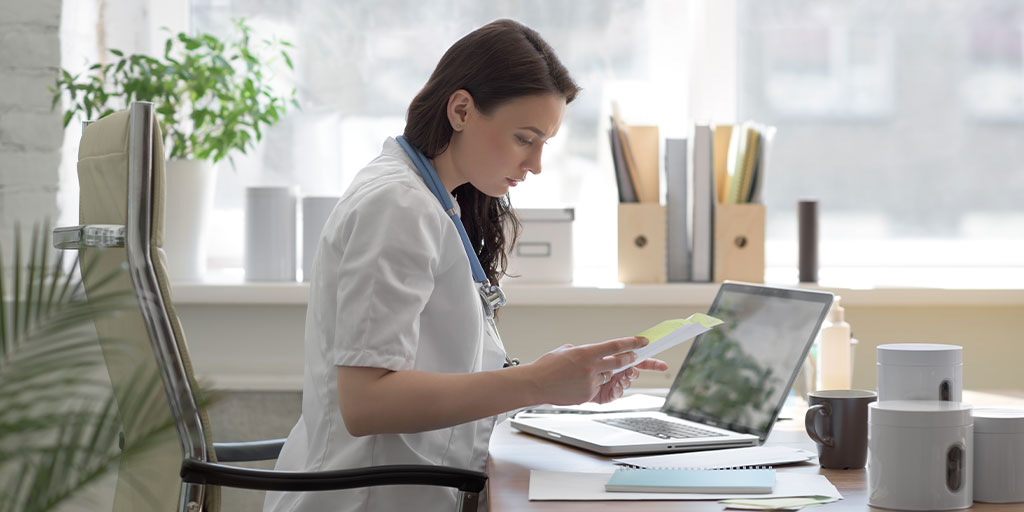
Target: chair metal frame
<point>197,470</point>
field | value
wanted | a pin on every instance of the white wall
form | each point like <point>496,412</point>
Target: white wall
<point>239,346</point>
<point>30,133</point>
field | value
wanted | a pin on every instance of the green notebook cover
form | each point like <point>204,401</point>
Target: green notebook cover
<point>714,481</point>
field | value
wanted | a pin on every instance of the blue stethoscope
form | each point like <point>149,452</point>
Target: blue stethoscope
<point>490,295</point>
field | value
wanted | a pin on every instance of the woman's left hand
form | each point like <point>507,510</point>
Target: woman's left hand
<point>621,381</point>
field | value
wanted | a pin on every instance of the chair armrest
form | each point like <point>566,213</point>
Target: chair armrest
<point>97,235</point>
<point>248,451</point>
<point>197,472</point>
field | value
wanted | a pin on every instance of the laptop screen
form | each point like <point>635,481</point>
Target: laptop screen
<point>737,375</point>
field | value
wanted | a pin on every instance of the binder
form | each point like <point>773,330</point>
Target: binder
<point>642,190</point>
<point>703,204</point>
<point>764,155</point>
<point>677,210</point>
<point>644,141</point>
<point>722,135</point>
<point>627,193</point>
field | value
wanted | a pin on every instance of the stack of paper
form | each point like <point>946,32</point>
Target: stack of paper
<point>777,503</point>
<point>569,486</point>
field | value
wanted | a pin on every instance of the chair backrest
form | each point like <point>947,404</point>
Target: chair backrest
<point>121,175</point>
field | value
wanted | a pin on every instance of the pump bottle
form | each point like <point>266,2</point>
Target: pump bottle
<point>834,366</point>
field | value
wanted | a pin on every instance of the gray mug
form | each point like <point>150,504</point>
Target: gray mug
<point>837,421</point>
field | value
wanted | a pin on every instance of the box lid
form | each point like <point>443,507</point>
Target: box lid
<point>996,420</point>
<point>919,413</point>
<point>546,214</point>
<point>920,354</point>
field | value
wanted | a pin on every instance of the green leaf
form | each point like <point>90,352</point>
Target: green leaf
<point>67,439</point>
<point>220,83</point>
<point>119,53</point>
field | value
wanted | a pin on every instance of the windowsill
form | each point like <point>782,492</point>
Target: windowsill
<point>988,287</point>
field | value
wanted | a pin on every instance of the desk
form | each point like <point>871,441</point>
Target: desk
<point>513,454</point>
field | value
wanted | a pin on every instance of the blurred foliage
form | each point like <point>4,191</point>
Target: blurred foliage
<point>59,420</point>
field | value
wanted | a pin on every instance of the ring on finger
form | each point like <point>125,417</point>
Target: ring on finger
<point>605,377</point>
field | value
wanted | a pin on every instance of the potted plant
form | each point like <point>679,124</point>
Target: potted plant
<point>213,98</point>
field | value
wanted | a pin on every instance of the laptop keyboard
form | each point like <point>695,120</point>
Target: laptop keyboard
<point>659,428</point>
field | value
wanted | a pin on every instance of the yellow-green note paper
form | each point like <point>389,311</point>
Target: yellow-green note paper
<point>670,333</point>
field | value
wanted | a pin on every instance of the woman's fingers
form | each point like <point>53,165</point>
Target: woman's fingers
<point>616,346</point>
<point>617,361</point>
<point>652,364</point>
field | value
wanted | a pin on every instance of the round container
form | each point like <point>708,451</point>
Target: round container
<point>920,455</point>
<point>920,371</point>
<point>999,455</point>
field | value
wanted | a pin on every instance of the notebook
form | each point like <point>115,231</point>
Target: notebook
<point>714,481</point>
<point>729,390</point>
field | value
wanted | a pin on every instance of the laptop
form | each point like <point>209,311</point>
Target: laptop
<point>729,390</point>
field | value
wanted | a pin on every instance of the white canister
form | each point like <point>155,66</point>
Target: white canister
<point>920,371</point>
<point>270,219</point>
<point>920,455</point>
<point>315,211</point>
<point>999,455</point>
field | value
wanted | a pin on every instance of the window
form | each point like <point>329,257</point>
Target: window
<point>904,120</point>
<point>358,64</point>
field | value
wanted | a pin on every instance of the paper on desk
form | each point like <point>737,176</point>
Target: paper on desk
<point>718,459</point>
<point>777,503</point>
<point>671,333</point>
<point>564,486</point>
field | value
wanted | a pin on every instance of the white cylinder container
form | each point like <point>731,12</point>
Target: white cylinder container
<point>270,226</point>
<point>920,371</point>
<point>315,211</point>
<point>999,455</point>
<point>920,455</point>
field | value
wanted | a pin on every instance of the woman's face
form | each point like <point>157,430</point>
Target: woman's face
<point>497,151</point>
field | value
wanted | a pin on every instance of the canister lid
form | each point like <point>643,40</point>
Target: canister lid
<point>546,214</point>
<point>920,354</point>
<point>997,420</point>
<point>919,413</point>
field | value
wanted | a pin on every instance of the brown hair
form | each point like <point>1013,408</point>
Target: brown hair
<point>496,63</point>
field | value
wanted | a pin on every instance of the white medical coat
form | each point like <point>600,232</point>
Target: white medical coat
<point>391,288</point>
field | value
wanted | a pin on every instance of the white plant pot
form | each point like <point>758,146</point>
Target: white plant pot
<point>190,186</point>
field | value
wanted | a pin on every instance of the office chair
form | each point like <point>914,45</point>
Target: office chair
<point>121,175</point>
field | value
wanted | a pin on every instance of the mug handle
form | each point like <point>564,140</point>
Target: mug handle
<point>825,410</point>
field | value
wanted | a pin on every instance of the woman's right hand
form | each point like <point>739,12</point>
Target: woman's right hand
<point>571,375</point>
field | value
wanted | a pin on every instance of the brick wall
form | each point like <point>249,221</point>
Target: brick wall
<point>31,135</point>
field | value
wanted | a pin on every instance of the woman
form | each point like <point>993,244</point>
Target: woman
<point>403,364</point>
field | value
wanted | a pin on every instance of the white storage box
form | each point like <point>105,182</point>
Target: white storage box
<point>999,455</point>
<point>543,252</point>
<point>920,371</point>
<point>920,455</point>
